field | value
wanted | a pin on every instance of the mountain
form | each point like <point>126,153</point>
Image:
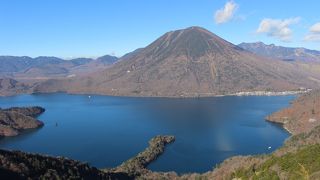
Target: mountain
<point>45,67</point>
<point>11,64</point>
<point>280,52</point>
<point>189,62</point>
<point>81,61</point>
<point>107,59</point>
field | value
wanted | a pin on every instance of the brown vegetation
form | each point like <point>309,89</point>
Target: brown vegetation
<point>303,114</point>
<point>19,165</point>
<point>16,119</point>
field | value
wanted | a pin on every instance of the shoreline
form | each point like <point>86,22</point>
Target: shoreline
<point>280,124</point>
<point>189,95</point>
<point>271,93</point>
<point>284,127</point>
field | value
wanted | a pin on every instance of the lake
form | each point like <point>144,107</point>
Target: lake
<point>105,131</point>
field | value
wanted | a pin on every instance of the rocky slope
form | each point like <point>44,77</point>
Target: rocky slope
<point>189,62</point>
<point>283,53</point>
<point>14,120</point>
<point>303,114</point>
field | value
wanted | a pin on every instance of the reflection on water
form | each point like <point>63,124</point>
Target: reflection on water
<point>105,131</point>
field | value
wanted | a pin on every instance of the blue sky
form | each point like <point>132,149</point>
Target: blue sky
<point>91,28</point>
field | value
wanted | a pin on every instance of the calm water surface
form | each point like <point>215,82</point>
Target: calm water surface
<point>105,131</point>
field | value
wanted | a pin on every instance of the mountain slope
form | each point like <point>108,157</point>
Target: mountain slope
<point>10,87</point>
<point>303,114</point>
<point>280,52</point>
<point>45,67</point>
<point>188,62</point>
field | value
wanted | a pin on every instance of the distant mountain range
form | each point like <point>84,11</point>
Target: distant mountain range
<point>190,62</point>
<point>24,67</point>
<point>280,52</point>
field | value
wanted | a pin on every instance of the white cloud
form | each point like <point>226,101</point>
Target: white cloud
<point>312,37</point>
<point>278,28</point>
<point>226,13</point>
<point>314,33</point>
<point>315,28</point>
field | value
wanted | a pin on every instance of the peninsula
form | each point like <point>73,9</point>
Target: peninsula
<point>16,119</point>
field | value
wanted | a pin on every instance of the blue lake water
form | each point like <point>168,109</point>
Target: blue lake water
<point>105,131</point>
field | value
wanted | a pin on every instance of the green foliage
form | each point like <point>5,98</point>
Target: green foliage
<point>299,165</point>
<point>266,175</point>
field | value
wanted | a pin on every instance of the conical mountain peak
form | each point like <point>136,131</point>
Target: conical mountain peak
<point>193,41</point>
<point>188,62</point>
